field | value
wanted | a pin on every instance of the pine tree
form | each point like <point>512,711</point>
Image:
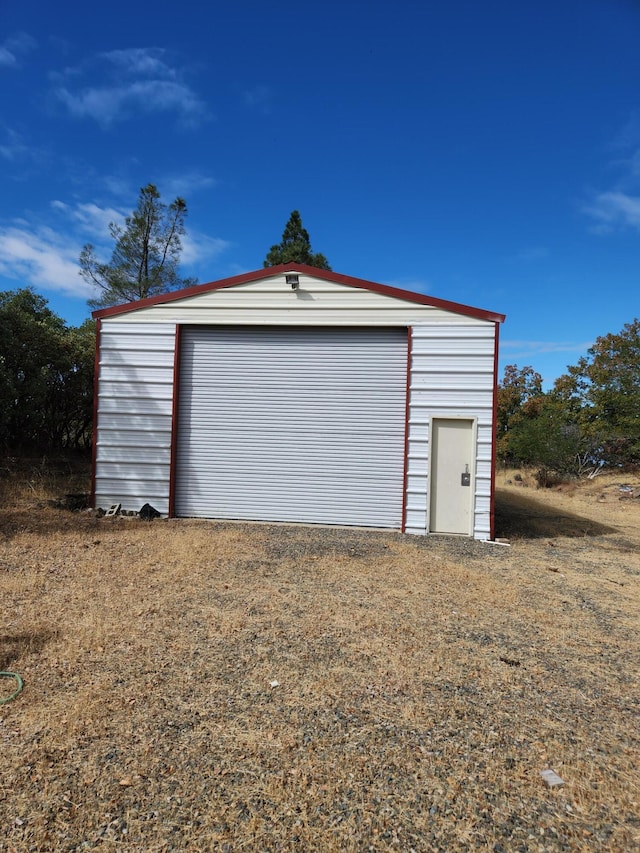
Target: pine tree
<point>295,247</point>
<point>146,254</point>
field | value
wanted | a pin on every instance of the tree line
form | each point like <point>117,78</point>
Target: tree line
<point>46,376</point>
<point>589,420</point>
<point>47,366</point>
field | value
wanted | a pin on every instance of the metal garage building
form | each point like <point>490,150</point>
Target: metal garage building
<point>297,394</point>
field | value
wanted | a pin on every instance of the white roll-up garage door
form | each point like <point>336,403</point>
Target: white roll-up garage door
<point>280,424</point>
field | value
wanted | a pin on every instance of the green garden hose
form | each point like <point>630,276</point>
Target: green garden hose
<point>18,680</point>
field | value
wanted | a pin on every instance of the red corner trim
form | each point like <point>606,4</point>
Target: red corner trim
<point>174,423</point>
<point>406,432</point>
<point>94,438</point>
<point>494,437</point>
<point>325,275</point>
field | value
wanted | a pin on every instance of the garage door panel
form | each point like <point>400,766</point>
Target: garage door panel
<point>250,464</point>
<point>292,425</point>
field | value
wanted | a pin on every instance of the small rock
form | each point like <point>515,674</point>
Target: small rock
<point>148,512</point>
<point>551,778</point>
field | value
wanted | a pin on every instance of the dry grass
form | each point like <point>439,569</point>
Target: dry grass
<point>422,683</point>
<point>32,482</point>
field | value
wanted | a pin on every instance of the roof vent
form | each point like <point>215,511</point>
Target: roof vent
<point>293,280</point>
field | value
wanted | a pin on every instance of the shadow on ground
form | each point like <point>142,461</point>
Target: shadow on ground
<point>14,646</point>
<point>521,517</point>
<point>44,521</point>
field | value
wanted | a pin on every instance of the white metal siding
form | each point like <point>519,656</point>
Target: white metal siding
<point>451,376</point>
<point>271,302</point>
<point>135,388</point>
<point>292,424</point>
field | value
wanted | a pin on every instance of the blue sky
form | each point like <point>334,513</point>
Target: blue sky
<point>485,153</point>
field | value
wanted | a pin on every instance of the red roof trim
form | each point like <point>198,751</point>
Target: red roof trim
<point>338,278</point>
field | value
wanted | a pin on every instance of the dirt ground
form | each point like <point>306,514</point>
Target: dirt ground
<point>202,686</point>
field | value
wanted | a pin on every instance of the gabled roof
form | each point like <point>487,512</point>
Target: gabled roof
<point>326,275</point>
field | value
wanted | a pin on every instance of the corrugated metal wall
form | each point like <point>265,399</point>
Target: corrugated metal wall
<point>451,376</point>
<point>452,365</point>
<point>282,424</point>
<point>135,389</point>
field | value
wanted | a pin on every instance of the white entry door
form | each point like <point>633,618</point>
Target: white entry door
<point>452,478</point>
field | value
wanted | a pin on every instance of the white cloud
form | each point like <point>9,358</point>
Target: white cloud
<point>127,83</point>
<point>91,219</point>
<point>198,248</point>
<point>108,105</point>
<point>45,256</point>
<point>525,348</point>
<point>141,60</point>
<point>118,186</point>
<point>42,258</point>
<point>15,148</point>
<point>186,184</point>
<point>619,207</point>
<point>614,209</point>
<point>14,48</point>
